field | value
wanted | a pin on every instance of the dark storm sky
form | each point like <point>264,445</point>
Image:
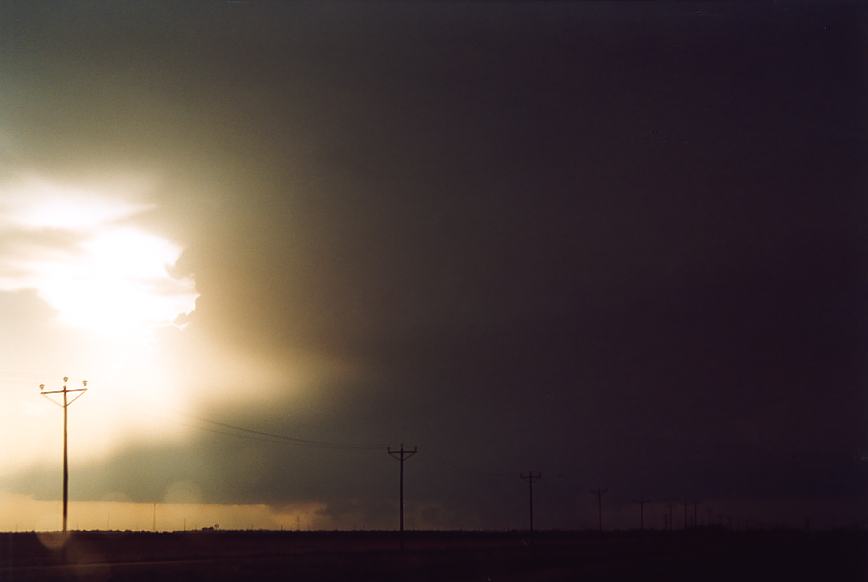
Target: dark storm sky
<point>623,244</point>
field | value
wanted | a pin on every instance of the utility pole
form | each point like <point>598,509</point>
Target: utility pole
<point>401,455</point>
<point>642,501</point>
<point>530,476</point>
<point>669,525</point>
<point>599,494</point>
<point>65,405</point>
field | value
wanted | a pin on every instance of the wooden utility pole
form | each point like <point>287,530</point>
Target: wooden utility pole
<point>642,501</point>
<point>401,455</point>
<point>599,494</point>
<point>530,476</point>
<point>65,405</point>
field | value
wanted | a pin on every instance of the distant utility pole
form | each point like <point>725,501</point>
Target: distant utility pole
<point>530,477</point>
<point>599,494</point>
<point>66,402</point>
<point>401,455</point>
<point>686,525</point>
<point>642,501</point>
<point>669,516</point>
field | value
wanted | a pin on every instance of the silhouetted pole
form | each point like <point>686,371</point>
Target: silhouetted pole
<point>66,402</point>
<point>530,477</point>
<point>669,524</point>
<point>65,457</point>
<point>642,501</point>
<point>685,515</point>
<point>599,494</point>
<point>401,455</point>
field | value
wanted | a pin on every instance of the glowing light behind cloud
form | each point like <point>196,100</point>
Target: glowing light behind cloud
<point>33,203</point>
<point>106,276</point>
<point>116,282</point>
<point>88,290</point>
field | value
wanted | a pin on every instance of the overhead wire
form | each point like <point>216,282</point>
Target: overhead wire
<point>293,440</point>
<point>238,431</point>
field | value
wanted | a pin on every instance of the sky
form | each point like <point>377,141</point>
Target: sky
<point>622,244</point>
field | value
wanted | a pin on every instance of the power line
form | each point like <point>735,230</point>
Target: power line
<point>431,452</point>
<point>297,441</point>
<point>265,436</point>
<point>235,434</point>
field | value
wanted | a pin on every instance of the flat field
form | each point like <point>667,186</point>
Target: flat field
<point>434,556</point>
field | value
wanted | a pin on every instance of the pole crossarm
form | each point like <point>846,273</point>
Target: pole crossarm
<point>402,454</point>
<point>69,390</point>
<point>47,393</point>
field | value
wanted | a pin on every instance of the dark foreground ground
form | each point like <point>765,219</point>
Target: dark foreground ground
<point>348,556</point>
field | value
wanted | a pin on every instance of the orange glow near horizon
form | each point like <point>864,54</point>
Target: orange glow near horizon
<point>23,513</point>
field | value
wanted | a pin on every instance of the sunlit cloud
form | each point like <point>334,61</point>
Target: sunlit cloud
<point>77,250</point>
<point>33,203</point>
<point>90,288</point>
